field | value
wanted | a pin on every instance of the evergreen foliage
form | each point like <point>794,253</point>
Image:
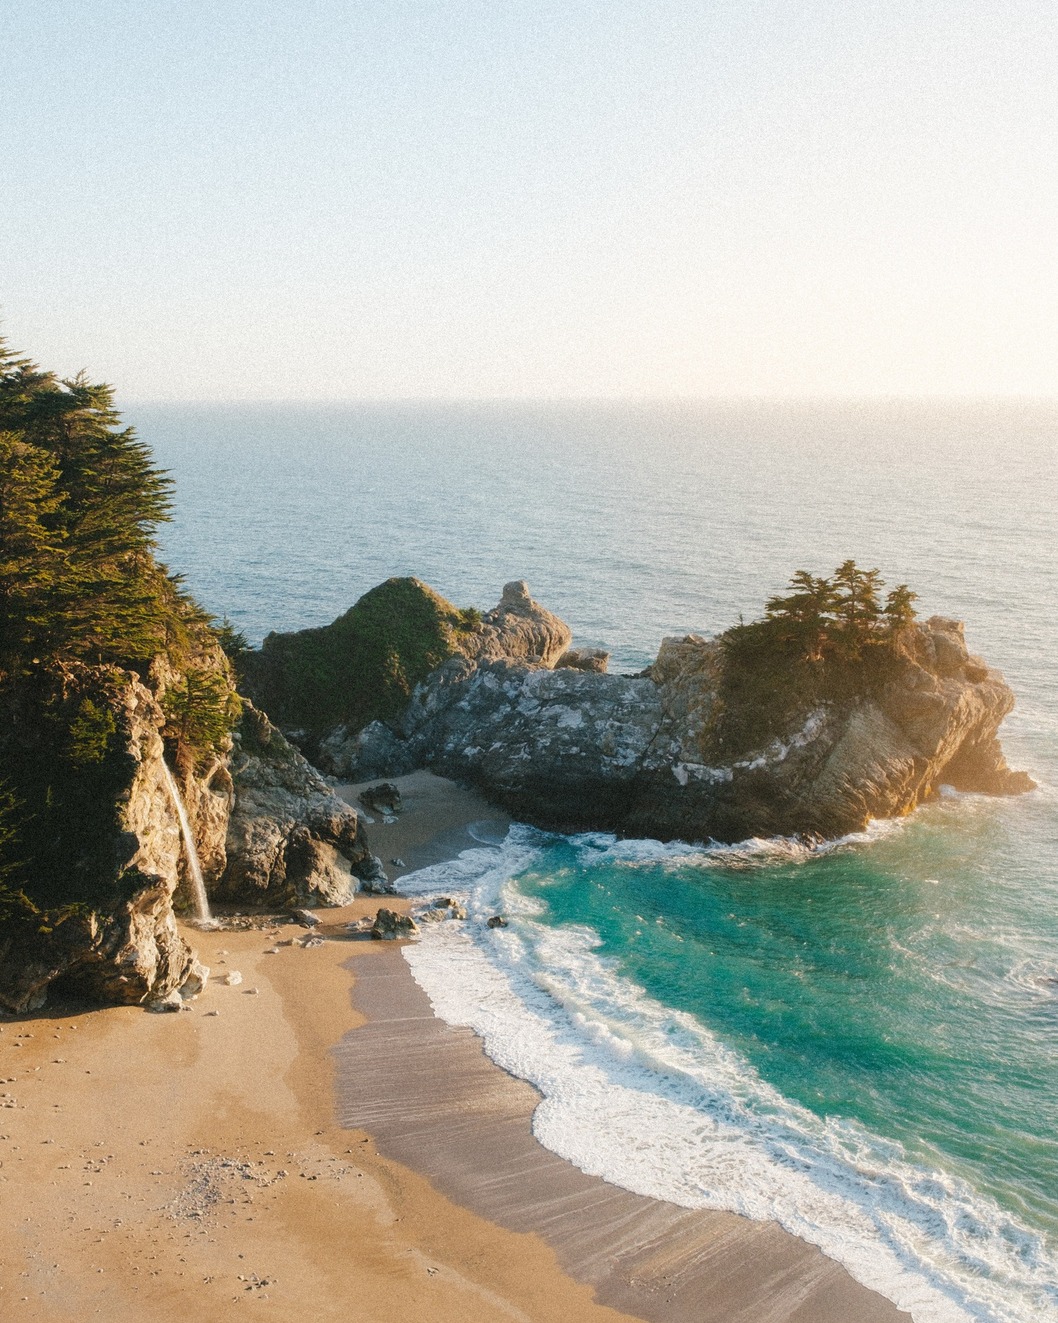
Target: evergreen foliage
<point>79,504</point>
<point>234,643</point>
<point>201,709</point>
<point>823,640</point>
<point>837,617</point>
<point>83,601</point>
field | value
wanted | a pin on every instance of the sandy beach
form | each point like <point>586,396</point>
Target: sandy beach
<point>313,1142</point>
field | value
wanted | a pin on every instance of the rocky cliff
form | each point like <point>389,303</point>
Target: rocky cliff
<point>101,914</point>
<point>116,711</point>
<point>661,755</point>
<point>517,630</point>
<point>268,832</point>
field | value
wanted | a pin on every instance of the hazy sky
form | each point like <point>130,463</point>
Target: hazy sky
<point>211,199</point>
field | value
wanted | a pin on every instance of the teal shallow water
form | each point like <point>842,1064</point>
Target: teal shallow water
<point>910,985</point>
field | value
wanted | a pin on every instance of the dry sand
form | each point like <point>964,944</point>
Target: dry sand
<point>195,1166</point>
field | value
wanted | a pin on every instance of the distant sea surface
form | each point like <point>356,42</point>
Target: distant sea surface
<point>860,1041</point>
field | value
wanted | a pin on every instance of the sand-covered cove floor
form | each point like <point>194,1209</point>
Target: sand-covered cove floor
<point>194,1166</point>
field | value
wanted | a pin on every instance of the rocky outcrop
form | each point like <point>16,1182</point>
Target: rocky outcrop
<point>519,630</point>
<point>389,926</point>
<point>516,631</point>
<point>291,840</point>
<point>574,749</point>
<point>130,954</point>
<point>383,798</point>
<point>584,659</point>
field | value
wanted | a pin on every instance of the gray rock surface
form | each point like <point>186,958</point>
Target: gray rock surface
<point>517,630</point>
<point>291,840</point>
<point>572,749</point>
<point>383,798</point>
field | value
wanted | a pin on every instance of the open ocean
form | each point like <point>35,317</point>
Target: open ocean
<point>860,1041</point>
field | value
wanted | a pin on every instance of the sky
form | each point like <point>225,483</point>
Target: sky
<point>373,199</point>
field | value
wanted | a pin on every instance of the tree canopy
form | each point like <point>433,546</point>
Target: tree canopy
<point>80,500</point>
<point>840,616</point>
<point>822,640</point>
<point>84,601</point>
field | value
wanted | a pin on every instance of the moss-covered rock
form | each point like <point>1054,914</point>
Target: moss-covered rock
<point>362,667</point>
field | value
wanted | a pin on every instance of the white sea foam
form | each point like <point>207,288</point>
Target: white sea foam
<point>651,1100</point>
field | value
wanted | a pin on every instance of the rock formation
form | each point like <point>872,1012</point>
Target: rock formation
<point>516,631</point>
<point>389,926</point>
<point>290,840</point>
<point>574,748</point>
<point>120,942</point>
<point>273,834</point>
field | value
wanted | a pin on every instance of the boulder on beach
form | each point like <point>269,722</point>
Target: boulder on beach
<point>390,926</point>
<point>383,798</point>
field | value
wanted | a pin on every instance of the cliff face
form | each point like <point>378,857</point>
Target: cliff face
<point>112,933</point>
<point>273,834</point>
<point>574,749</point>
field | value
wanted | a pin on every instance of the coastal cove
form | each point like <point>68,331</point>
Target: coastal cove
<point>743,492</point>
<point>755,1020</point>
<point>320,1150</point>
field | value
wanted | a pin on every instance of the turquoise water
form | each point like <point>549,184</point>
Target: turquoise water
<point>861,1042</point>
<point>900,984</point>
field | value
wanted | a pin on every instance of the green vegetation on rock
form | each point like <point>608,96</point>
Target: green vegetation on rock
<point>826,640</point>
<point>362,667</point>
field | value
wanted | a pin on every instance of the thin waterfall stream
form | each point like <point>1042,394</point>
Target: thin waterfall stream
<point>198,885</point>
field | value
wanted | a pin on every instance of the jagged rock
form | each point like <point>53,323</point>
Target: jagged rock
<point>374,751</point>
<point>496,921</point>
<point>291,839</point>
<point>170,1002</point>
<point>384,798</point>
<point>516,630</point>
<point>373,880</point>
<point>573,750</point>
<point>390,926</point>
<point>519,629</point>
<point>195,982</point>
<point>132,954</point>
<point>584,659</point>
<point>306,918</point>
<point>233,978</point>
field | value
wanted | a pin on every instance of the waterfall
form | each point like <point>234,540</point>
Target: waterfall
<point>198,885</point>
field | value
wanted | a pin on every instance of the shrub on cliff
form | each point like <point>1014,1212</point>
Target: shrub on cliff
<point>364,665</point>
